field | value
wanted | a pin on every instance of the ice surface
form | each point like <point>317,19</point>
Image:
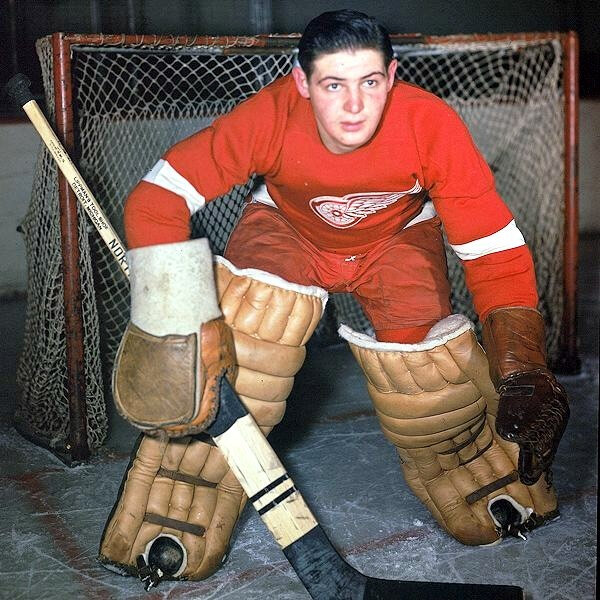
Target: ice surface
<point>331,443</point>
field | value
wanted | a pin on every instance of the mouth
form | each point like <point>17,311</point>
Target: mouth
<point>352,126</point>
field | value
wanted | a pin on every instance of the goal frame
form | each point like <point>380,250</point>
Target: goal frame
<point>62,45</point>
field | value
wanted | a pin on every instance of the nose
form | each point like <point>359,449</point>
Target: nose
<point>354,102</point>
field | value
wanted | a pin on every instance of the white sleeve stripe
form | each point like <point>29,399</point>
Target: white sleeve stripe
<point>507,238</point>
<point>427,212</point>
<point>165,176</point>
<point>261,194</point>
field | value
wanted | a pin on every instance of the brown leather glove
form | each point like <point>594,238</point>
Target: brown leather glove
<point>533,408</point>
<point>171,382</point>
<point>177,345</point>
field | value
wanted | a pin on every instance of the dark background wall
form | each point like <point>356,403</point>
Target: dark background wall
<point>22,21</point>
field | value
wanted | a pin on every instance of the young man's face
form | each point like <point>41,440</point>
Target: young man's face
<point>347,91</point>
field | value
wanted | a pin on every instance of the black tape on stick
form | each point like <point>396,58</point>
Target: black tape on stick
<point>17,88</point>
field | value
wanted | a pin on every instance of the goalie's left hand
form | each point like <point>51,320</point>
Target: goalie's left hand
<point>533,412</point>
<point>533,408</point>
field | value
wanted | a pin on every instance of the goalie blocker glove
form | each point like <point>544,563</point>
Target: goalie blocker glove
<point>533,408</point>
<point>176,345</point>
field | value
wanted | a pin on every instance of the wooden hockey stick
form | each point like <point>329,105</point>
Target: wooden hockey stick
<point>18,88</point>
<point>279,503</point>
<point>324,573</point>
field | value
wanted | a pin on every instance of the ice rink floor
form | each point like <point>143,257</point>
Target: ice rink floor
<point>331,443</point>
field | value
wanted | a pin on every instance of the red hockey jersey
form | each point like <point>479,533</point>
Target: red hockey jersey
<point>346,202</point>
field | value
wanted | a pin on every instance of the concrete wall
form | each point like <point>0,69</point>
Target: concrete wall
<point>19,146</point>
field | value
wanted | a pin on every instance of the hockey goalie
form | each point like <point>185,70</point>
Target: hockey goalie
<point>361,175</point>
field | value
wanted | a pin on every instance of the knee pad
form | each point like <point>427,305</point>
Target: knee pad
<point>271,321</point>
<point>179,501</point>
<point>435,402</point>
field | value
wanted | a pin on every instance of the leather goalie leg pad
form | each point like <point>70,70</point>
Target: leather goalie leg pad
<point>176,508</point>
<point>271,320</point>
<point>431,400</point>
<point>181,495</point>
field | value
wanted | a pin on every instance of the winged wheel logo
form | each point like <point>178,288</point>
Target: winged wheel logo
<point>350,209</point>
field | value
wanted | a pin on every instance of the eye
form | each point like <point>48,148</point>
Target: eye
<point>333,86</point>
<point>370,83</point>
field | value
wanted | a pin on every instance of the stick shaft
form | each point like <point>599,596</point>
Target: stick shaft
<point>77,184</point>
<point>265,481</point>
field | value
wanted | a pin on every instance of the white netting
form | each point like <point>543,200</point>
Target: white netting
<point>132,102</point>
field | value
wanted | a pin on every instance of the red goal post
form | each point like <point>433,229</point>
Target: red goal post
<point>118,101</point>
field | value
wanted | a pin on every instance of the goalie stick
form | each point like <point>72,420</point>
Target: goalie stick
<point>272,492</point>
<point>18,89</point>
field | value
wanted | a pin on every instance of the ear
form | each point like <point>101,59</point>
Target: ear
<point>391,74</point>
<point>301,81</point>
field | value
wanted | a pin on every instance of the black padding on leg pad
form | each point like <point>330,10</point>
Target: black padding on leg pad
<point>230,408</point>
<point>322,570</point>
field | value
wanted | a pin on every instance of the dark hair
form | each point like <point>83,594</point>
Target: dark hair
<point>342,30</point>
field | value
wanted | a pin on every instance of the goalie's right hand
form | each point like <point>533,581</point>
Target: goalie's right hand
<point>170,382</point>
<point>177,345</point>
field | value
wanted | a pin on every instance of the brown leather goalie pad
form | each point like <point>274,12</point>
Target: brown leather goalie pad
<point>183,488</point>
<point>437,406</point>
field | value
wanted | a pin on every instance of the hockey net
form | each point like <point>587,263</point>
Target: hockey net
<point>134,97</point>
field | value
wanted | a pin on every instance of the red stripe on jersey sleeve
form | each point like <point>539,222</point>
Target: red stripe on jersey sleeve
<point>501,279</point>
<point>154,215</point>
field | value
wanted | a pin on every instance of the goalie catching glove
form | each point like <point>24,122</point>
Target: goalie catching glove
<point>176,346</point>
<point>533,409</point>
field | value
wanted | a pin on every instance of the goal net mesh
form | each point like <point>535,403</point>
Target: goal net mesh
<point>131,102</point>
